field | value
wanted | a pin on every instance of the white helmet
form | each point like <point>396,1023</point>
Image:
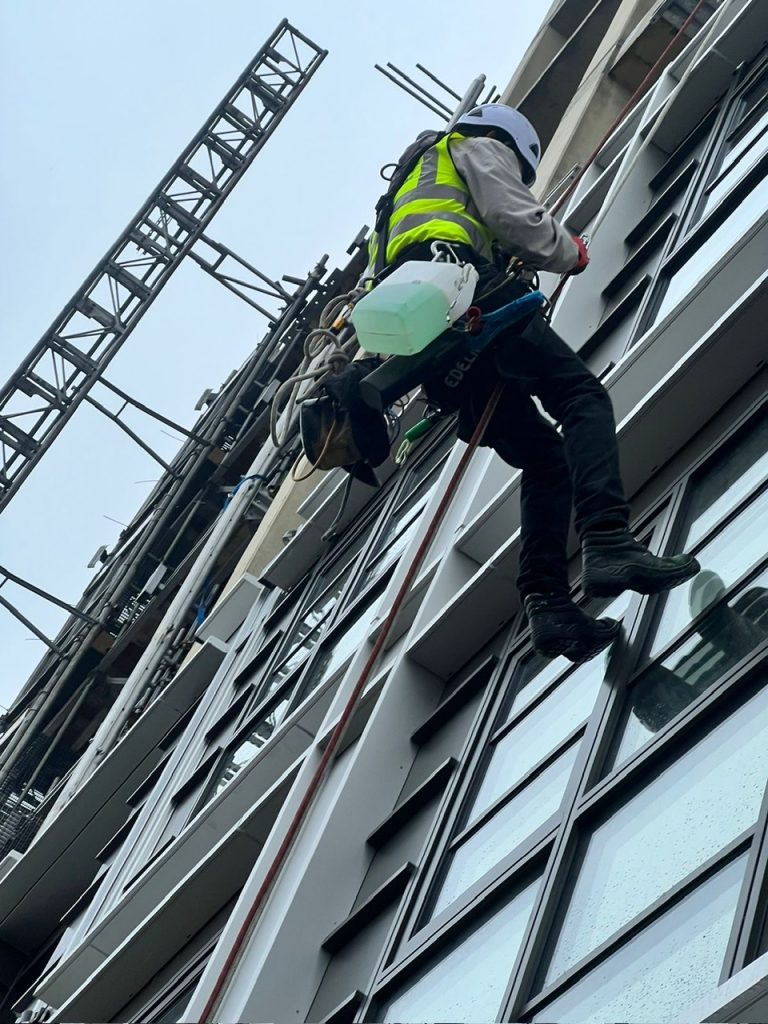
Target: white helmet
<point>517,129</point>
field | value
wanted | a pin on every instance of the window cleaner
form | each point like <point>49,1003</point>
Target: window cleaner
<point>470,189</point>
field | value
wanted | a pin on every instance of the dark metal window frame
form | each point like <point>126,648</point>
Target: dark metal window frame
<point>187,975</point>
<point>415,931</point>
<point>668,191</point>
<point>736,122</point>
<point>557,845</point>
<point>692,233</point>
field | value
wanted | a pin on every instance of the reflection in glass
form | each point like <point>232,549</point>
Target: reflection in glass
<point>403,524</point>
<point>726,634</point>
<point>738,546</point>
<point>684,815</point>
<point>663,970</point>
<point>542,729</point>
<point>247,750</point>
<point>716,247</point>
<point>468,983</point>
<point>397,542</point>
<point>535,672</point>
<point>739,161</point>
<point>307,632</point>
<point>338,651</point>
<point>738,468</point>
<point>174,1011</point>
<point>509,826</point>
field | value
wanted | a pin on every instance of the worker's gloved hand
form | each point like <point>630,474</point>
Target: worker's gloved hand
<point>583,255</point>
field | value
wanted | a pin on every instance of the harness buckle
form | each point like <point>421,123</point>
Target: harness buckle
<point>474,318</point>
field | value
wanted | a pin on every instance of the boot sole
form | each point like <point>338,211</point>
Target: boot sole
<point>578,651</point>
<point>610,584</point>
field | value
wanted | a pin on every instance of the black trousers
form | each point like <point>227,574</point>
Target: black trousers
<point>577,469</point>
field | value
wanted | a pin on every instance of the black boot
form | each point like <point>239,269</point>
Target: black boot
<point>614,562</point>
<point>559,627</point>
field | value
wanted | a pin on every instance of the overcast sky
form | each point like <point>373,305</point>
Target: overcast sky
<point>96,102</point>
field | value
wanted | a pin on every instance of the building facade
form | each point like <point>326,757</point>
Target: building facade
<point>499,837</point>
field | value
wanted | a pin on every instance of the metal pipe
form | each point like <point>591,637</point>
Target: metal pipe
<point>420,88</point>
<point>469,100</point>
<point>30,626</point>
<point>13,578</point>
<point>109,731</point>
<point>428,73</point>
<point>131,433</point>
<point>152,412</point>
<point>77,704</point>
<point>412,92</point>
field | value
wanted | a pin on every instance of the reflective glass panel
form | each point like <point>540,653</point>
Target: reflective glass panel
<point>510,825</point>
<point>728,632</point>
<point>247,750</point>
<point>338,651</point>
<point>738,546</point>
<point>535,672</point>
<point>738,468</point>
<point>174,1012</point>
<point>307,632</point>
<point>718,245</point>
<point>404,522</point>
<point>468,983</point>
<point>538,733</point>
<point>684,815</point>
<point>396,543</point>
<point>739,161</point>
<point>662,971</point>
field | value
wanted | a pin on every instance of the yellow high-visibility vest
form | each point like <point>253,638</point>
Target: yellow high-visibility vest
<point>432,204</point>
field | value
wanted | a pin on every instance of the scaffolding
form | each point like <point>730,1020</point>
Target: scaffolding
<point>135,582</point>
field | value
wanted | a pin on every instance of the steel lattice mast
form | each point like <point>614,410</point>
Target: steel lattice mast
<point>71,356</point>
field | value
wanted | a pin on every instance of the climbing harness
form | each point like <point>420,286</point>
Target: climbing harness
<point>449,357</point>
<point>235,951</point>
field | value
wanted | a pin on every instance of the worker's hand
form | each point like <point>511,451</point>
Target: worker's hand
<point>583,255</point>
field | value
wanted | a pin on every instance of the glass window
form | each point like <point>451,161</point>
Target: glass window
<point>403,523</point>
<point>343,645</point>
<point>746,143</point>
<point>468,982</point>
<point>510,825</point>
<point>306,633</point>
<point>683,816</point>
<point>738,163</point>
<point>733,230</point>
<point>535,672</point>
<point>245,751</point>
<point>737,469</point>
<point>175,1010</point>
<point>662,971</point>
<point>542,729</point>
<point>728,632</point>
<point>735,549</point>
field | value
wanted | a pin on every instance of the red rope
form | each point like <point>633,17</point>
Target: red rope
<point>341,725</point>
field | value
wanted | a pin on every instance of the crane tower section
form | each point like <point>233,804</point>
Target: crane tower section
<point>68,360</point>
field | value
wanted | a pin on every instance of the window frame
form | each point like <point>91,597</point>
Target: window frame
<point>692,233</point>
<point>555,846</point>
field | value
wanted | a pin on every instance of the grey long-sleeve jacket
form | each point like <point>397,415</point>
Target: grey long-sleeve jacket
<point>508,207</point>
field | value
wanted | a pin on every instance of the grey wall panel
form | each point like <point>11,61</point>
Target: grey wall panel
<point>352,967</point>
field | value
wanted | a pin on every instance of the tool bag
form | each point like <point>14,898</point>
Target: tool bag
<point>339,430</point>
